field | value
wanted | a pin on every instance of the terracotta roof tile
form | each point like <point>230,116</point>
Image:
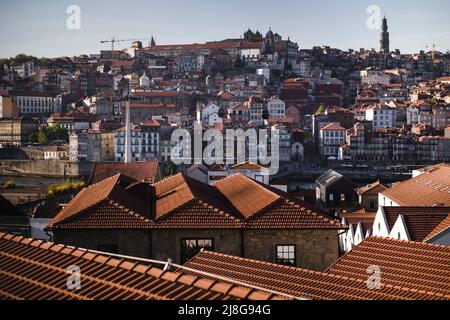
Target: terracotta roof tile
<point>141,171</point>
<point>300,283</point>
<point>429,189</point>
<point>248,166</point>
<point>413,265</point>
<point>105,205</point>
<point>420,221</point>
<point>444,225</point>
<point>285,214</point>
<point>247,196</point>
<point>198,214</point>
<point>366,219</point>
<point>333,127</point>
<point>179,202</point>
<point>37,273</point>
<point>373,188</point>
<point>88,197</point>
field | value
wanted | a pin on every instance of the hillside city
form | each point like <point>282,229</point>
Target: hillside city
<point>100,172</point>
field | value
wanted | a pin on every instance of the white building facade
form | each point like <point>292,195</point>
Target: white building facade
<point>276,108</point>
<point>331,138</point>
<point>381,116</point>
<point>37,103</point>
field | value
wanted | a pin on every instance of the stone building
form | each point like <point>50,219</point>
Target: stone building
<point>15,132</point>
<point>368,196</point>
<point>178,217</point>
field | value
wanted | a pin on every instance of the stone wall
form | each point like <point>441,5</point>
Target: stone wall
<point>134,243</point>
<point>167,243</point>
<point>47,168</point>
<point>367,200</point>
<point>315,249</point>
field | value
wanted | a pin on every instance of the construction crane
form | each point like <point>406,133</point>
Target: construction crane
<point>113,41</point>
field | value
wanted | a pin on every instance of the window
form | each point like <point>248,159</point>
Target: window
<point>342,197</point>
<point>286,255</point>
<point>191,247</point>
<point>110,248</point>
<point>331,197</point>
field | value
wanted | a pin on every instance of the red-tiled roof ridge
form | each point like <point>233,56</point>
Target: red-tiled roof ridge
<point>206,288</point>
<point>333,126</point>
<point>131,212</point>
<point>166,179</point>
<point>424,266</point>
<point>399,241</point>
<point>370,187</point>
<point>137,170</point>
<point>316,214</point>
<point>421,190</point>
<point>246,208</point>
<point>303,283</point>
<point>444,225</point>
<point>195,201</point>
<point>295,200</point>
<point>99,192</point>
<point>419,221</point>
<point>206,204</point>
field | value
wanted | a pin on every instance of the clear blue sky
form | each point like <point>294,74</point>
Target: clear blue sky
<point>38,27</point>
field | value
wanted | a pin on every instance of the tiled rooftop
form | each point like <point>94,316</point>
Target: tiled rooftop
<point>142,171</point>
<point>373,188</point>
<point>182,202</point>
<point>245,195</point>
<point>304,283</point>
<point>415,265</point>
<point>420,221</point>
<point>365,218</point>
<point>429,189</point>
<point>444,225</point>
<point>106,204</point>
<point>37,270</point>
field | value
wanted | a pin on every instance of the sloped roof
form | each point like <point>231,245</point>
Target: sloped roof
<point>354,218</point>
<point>142,171</point>
<point>420,221</point>
<point>329,177</point>
<point>421,267</point>
<point>104,205</point>
<point>245,195</point>
<point>247,166</point>
<point>286,214</point>
<point>333,127</point>
<point>181,202</point>
<point>36,270</point>
<point>441,227</point>
<point>302,283</point>
<point>429,189</point>
<point>373,188</point>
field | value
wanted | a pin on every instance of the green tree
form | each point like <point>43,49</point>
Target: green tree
<point>42,137</point>
<point>48,134</point>
<point>322,108</point>
<point>22,57</point>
